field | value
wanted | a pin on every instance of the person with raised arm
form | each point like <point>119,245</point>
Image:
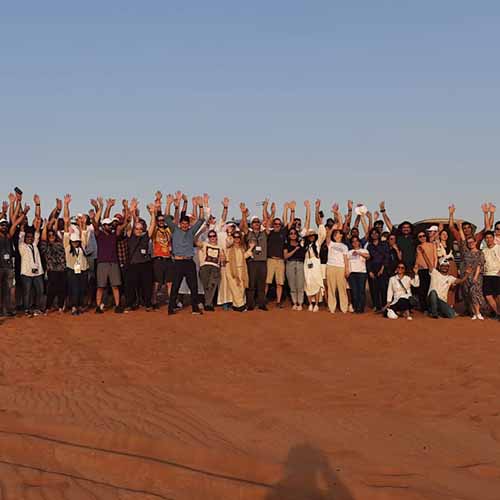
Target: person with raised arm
<point>323,253</point>
<point>314,284</point>
<point>77,264</point>
<point>52,249</point>
<point>256,237</point>
<point>473,259</point>
<point>430,251</point>
<point>399,292</point>
<point>491,277</point>
<point>108,268</point>
<point>225,231</point>
<point>183,236</point>
<point>467,227</point>
<point>357,257</point>
<point>377,270</point>
<point>31,265</point>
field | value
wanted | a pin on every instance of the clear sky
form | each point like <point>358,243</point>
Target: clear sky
<point>369,100</point>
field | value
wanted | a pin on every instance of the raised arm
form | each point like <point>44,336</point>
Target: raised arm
<point>225,209</point>
<point>451,222</point>
<point>286,207</point>
<point>243,221</point>
<point>56,211</point>
<point>168,204</point>
<point>307,204</point>
<point>486,216</point>
<point>110,203</point>
<point>317,216</point>
<point>265,212</point>
<point>460,231</point>
<point>337,216</point>
<point>385,216</point>
<point>492,215</point>
<point>152,223</point>
<point>370,222</point>
<point>365,225</point>
<point>66,213</point>
<point>98,206</point>
<point>38,208</point>
<point>348,218</point>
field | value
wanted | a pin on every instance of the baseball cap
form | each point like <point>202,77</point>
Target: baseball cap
<point>433,228</point>
<point>4,221</point>
<point>443,261</point>
<point>75,237</point>
<point>107,221</point>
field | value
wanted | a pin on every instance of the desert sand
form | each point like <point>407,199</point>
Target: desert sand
<point>278,405</point>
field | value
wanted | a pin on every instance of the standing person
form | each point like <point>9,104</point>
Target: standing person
<point>395,254</point>
<point>163,265</point>
<point>323,253</point>
<point>7,287</point>
<point>357,258</point>
<point>139,270</point>
<point>474,260</point>
<point>76,261</point>
<point>183,253</point>
<point>237,271</point>
<point>497,232</point>
<point>405,238</point>
<point>225,238</point>
<point>211,256</point>
<point>399,292</point>
<point>276,241</point>
<point>31,269</point>
<point>337,272</point>
<point>108,268</point>
<point>429,250</point>
<point>376,266</point>
<point>52,249</point>
<point>491,278</point>
<point>257,263</point>
<point>295,256</point>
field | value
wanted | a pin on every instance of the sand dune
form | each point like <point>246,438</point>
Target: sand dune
<point>269,406</point>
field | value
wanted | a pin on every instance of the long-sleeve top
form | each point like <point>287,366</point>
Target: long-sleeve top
<point>183,241</point>
<point>400,288</point>
<point>54,255</point>
<point>77,257</point>
<point>31,262</point>
<point>379,256</point>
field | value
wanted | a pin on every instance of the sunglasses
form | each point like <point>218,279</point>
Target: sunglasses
<point>212,236</point>
<point>400,267</point>
<point>421,236</point>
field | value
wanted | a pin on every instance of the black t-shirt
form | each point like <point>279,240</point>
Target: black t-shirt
<point>276,243</point>
<point>299,255</point>
<point>138,247</point>
<point>323,253</point>
<point>6,253</point>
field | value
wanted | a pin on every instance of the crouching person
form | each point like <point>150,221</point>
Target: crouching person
<point>399,297</point>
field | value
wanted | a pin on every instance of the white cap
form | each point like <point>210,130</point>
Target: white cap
<point>433,228</point>
<point>75,237</point>
<point>443,261</point>
<point>107,221</point>
<point>4,221</point>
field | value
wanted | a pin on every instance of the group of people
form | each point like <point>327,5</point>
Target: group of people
<point>135,258</point>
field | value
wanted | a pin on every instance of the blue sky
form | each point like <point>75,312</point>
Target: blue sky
<point>391,100</point>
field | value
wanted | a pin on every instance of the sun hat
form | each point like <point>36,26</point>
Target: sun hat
<point>107,221</point>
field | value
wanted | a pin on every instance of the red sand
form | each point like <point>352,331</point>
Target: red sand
<point>278,405</point>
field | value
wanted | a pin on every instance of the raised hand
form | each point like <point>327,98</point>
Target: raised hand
<point>492,208</point>
<point>100,200</point>
<point>36,199</point>
<point>110,202</point>
<point>133,204</point>
<point>349,205</point>
<point>184,198</point>
<point>243,208</point>
<point>485,208</point>
<point>225,202</point>
<point>151,208</point>
<point>58,204</point>
<point>307,204</point>
<point>5,206</point>
<point>170,199</point>
<point>273,207</point>
<point>12,198</point>
<point>67,199</point>
<point>317,204</point>
<point>451,209</point>
<point>382,205</point>
<point>27,208</point>
<point>94,204</point>
<point>335,207</point>
<point>206,199</point>
<point>375,215</point>
<point>292,205</point>
<point>179,196</point>
<point>158,195</point>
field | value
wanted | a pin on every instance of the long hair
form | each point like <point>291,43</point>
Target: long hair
<point>308,243</point>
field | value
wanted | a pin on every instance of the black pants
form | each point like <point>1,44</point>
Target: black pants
<point>378,290</point>
<point>139,284</point>
<point>184,269</point>
<point>357,282</point>
<point>6,285</point>
<point>77,288</point>
<point>257,274</point>
<point>56,288</point>
<point>423,289</point>
<point>401,305</point>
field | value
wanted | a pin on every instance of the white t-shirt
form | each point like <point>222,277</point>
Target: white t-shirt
<point>336,252</point>
<point>357,264</point>
<point>441,284</point>
<point>492,261</point>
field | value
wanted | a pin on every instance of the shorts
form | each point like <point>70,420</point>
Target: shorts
<point>163,270</point>
<point>491,285</point>
<point>323,271</point>
<point>275,268</point>
<point>108,272</point>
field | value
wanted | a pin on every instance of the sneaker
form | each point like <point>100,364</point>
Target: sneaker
<point>480,317</point>
<point>197,313</point>
<point>37,312</point>
<point>156,307</point>
<point>279,305</point>
<point>180,305</point>
<point>474,318</point>
<point>299,307</point>
<point>74,311</point>
<point>172,312</point>
<point>263,308</point>
<point>315,308</point>
<point>391,314</point>
<point>294,307</point>
<point>350,309</point>
<point>311,307</point>
<point>409,318</point>
<point>99,310</point>
<point>119,310</point>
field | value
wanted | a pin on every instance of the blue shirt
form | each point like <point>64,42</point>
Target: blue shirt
<point>183,241</point>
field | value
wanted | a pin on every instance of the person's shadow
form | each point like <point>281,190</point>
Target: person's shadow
<point>309,477</point>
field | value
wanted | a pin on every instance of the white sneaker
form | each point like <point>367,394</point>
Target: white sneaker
<point>294,307</point>
<point>409,318</point>
<point>474,317</point>
<point>351,309</point>
<point>299,307</point>
<point>316,308</point>
<point>480,316</point>
<point>391,314</point>
<point>310,308</point>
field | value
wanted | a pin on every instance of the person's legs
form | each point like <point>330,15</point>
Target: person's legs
<point>252,284</point>
<point>214,283</point>
<point>444,309</point>
<point>178,277</point>
<point>205,281</point>
<point>433,302</point>
<point>300,280</point>
<point>38,289</point>
<point>51,288</point>
<point>423,289</point>
<point>27,292</point>
<point>146,282</point>
<point>116,296</point>
<point>342,288</point>
<point>132,285</point>
<point>362,292</point>
<point>354,283</point>
<point>192,282</point>
<point>291,276</point>
<point>261,283</point>
<point>332,288</point>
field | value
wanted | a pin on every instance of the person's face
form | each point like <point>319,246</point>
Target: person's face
<point>375,235</point>
<point>114,224</point>
<point>276,225</point>
<point>138,229</point>
<point>471,243</point>
<point>330,223</point>
<point>406,229</point>
<point>29,238</point>
<point>230,230</point>
<point>107,228</point>
<point>422,238</point>
<point>160,221</point>
<point>444,268</point>
<point>237,238</point>
<point>444,236</point>
<point>184,225</point>
<point>378,226</point>
<point>356,244</point>
<point>497,230</point>
<point>3,228</point>
<point>256,225</point>
<point>311,238</point>
<point>297,223</point>
<point>400,269</point>
<point>51,237</point>
<point>212,238</point>
<point>293,235</point>
<point>467,228</point>
<point>212,220</point>
<point>432,235</point>
<point>75,244</point>
<point>490,240</point>
<point>392,240</point>
<point>354,232</point>
<point>337,237</point>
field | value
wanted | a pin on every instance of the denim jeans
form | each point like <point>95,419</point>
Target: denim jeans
<point>32,286</point>
<point>439,307</point>
<point>357,282</point>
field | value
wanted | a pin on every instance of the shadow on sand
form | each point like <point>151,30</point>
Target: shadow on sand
<point>309,477</point>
